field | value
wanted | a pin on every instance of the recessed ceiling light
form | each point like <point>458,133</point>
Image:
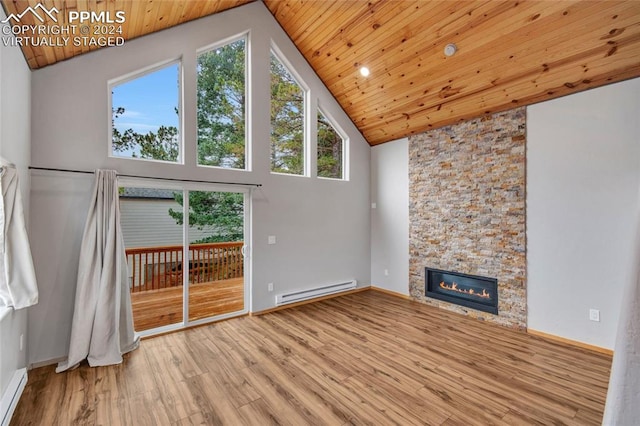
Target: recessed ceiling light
<point>450,49</point>
<point>364,71</point>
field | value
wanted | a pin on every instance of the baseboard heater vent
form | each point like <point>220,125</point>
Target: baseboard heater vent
<point>297,296</point>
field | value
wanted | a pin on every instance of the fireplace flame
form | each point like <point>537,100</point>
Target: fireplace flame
<point>454,287</point>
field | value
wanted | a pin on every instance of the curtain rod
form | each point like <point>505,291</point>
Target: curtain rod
<point>258,185</point>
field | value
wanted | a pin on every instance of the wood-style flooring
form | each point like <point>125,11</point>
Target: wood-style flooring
<point>156,308</point>
<point>362,358</point>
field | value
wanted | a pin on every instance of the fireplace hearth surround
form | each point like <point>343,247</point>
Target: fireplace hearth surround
<point>472,291</point>
<point>467,210</point>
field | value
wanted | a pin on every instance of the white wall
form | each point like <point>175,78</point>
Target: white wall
<point>15,81</point>
<point>59,205</point>
<point>390,218</point>
<point>322,226</point>
<point>583,175</point>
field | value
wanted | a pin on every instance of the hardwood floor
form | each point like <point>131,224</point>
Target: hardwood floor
<point>156,308</point>
<point>363,358</point>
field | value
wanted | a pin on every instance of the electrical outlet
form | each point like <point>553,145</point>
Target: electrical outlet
<point>374,205</point>
<point>386,272</point>
<point>270,286</point>
<point>594,315</point>
<point>271,239</point>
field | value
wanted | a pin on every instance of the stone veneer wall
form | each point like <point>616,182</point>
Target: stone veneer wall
<point>467,209</point>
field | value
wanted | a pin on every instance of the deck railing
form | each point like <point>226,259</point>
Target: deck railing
<point>154,268</point>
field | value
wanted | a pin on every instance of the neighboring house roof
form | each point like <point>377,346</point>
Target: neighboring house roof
<point>152,193</point>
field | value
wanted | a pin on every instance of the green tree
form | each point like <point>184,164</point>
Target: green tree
<point>330,149</point>
<point>221,106</point>
<point>160,145</point>
<point>287,121</point>
<point>222,213</point>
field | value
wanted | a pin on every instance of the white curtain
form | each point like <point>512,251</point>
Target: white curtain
<point>18,288</point>
<point>102,328</point>
<point>623,397</point>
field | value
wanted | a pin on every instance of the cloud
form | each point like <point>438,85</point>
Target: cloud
<point>132,114</point>
<point>142,121</point>
<point>137,127</point>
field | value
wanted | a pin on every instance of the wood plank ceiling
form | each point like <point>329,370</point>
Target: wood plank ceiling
<point>142,17</point>
<point>510,53</point>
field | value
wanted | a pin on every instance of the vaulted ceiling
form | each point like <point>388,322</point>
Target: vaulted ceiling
<point>509,53</point>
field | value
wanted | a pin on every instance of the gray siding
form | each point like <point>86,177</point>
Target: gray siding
<point>146,223</point>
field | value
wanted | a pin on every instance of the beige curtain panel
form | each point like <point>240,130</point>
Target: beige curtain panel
<point>18,287</point>
<point>102,327</point>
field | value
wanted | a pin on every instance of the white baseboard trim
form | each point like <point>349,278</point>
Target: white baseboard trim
<point>12,395</point>
<point>46,363</point>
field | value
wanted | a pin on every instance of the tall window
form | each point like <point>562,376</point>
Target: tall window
<point>287,121</point>
<point>222,106</point>
<point>146,116</point>
<point>330,149</point>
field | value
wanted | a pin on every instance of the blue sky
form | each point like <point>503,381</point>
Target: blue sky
<point>149,101</point>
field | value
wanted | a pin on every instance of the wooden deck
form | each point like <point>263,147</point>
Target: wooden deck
<point>157,308</point>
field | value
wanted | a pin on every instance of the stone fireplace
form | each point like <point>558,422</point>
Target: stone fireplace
<point>467,214</point>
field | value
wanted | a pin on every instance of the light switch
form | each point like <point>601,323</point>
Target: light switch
<point>272,239</point>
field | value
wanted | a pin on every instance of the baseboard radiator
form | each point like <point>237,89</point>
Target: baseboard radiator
<point>12,395</point>
<point>298,296</point>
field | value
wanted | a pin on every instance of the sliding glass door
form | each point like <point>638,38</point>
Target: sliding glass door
<point>185,253</point>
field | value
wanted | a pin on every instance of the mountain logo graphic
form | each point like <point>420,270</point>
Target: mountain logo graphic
<point>34,12</point>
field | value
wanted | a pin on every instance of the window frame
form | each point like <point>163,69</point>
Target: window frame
<point>141,72</point>
<point>306,116</point>
<point>345,145</point>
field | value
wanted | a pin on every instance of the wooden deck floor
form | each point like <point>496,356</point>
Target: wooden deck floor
<point>157,308</point>
<point>363,358</point>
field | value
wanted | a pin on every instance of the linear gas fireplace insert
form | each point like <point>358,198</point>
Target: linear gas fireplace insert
<point>472,291</point>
